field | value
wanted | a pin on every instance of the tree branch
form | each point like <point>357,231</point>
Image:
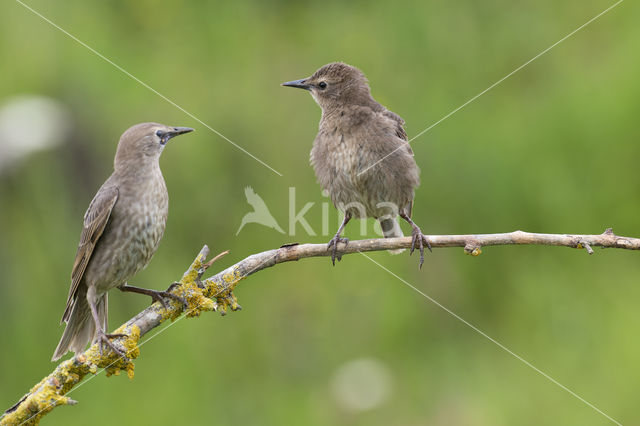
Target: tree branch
<point>216,294</point>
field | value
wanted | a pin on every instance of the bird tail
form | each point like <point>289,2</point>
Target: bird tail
<point>80,328</point>
<point>391,229</point>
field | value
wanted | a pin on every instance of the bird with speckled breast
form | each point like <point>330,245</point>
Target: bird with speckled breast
<point>361,155</point>
<point>121,232</point>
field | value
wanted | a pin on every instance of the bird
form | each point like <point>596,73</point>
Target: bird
<point>260,213</point>
<point>121,231</point>
<point>361,155</point>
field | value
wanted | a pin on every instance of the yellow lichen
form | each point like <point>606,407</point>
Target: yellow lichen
<point>95,358</point>
<point>192,290</point>
<point>222,291</point>
<point>49,393</point>
<point>73,378</point>
<point>227,284</point>
<point>227,300</point>
<point>233,277</point>
<point>44,396</point>
<point>192,274</point>
<point>472,250</point>
<point>199,304</point>
<point>130,369</point>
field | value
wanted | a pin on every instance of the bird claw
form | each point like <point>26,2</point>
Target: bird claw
<point>172,286</point>
<point>418,238</point>
<point>105,339</point>
<point>333,245</point>
<point>157,296</point>
<point>161,296</point>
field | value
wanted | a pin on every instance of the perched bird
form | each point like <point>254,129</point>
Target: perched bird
<point>122,228</point>
<point>361,155</point>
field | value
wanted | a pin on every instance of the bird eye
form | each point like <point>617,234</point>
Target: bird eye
<point>159,133</point>
<point>322,85</point>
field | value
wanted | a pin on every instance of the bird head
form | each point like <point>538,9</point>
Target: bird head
<point>335,84</point>
<point>144,142</point>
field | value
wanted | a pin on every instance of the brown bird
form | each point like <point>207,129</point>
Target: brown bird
<point>122,228</point>
<point>355,133</point>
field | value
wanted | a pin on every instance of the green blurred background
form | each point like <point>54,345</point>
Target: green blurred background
<point>554,148</point>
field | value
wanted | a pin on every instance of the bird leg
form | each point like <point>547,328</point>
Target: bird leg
<point>337,239</point>
<point>156,295</point>
<point>102,337</point>
<point>417,237</point>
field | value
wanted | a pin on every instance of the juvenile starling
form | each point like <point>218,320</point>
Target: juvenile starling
<point>356,132</point>
<point>122,228</point>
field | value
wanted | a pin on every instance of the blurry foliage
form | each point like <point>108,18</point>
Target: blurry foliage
<point>552,149</point>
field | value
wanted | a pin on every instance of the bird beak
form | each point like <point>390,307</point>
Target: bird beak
<point>300,84</point>
<point>176,131</point>
<point>179,131</point>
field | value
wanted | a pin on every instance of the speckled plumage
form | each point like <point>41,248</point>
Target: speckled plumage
<point>350,139</point>
<point>122,229</point>
<point>134,229</point>
<point>356,132</point>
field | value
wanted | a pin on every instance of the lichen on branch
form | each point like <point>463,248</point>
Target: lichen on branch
<point>216,294</point>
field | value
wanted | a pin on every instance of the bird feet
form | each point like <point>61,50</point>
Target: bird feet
<point>103,338</point>
<point>161,296</point>
<point>333,245</point>
<point>418,240</point>
<point>156,295</point>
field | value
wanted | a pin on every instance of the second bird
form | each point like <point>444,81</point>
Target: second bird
<point>361,155</point>
<point>122,229</point>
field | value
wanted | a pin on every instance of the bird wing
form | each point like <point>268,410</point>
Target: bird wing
<point>95,220</point>
<point>398,127</point>
<point>395,165</point>
<point>400,132</point>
